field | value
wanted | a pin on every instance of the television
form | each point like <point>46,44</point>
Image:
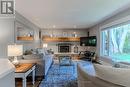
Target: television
<point>88,41</point>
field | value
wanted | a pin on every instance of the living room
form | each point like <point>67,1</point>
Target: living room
<point>64,43</point>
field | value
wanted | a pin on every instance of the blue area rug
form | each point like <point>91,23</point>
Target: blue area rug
<point>61,76</point>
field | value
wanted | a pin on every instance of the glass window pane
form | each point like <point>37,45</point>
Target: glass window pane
<point>116,43</point>
<point>119,40</point>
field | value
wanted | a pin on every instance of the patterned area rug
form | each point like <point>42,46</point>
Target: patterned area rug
<point>61,76</point>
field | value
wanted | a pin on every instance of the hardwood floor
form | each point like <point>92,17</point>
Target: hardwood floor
<point>18,82</point>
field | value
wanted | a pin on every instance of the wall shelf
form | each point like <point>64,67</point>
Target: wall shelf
<point>25,38</point>
<point>61,39</point>
<point>23,32</point>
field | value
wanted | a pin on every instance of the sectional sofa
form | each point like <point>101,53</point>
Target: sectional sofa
<point>43,62</point>
<point>96,75</point>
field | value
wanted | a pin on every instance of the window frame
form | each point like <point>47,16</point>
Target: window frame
<point>107,26</point>
<point>108,45</point>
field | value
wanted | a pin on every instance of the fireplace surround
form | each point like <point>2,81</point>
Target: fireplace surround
<point>64,47</point>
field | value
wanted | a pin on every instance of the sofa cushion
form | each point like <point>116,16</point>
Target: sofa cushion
<point>41,51</point>
<point>46,52</point>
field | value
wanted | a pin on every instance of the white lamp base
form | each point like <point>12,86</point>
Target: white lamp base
<point>15,61</point>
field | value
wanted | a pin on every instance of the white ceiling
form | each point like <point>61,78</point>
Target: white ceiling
<point>68,13</point>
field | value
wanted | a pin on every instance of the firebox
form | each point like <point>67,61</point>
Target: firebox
<point>64,48</point>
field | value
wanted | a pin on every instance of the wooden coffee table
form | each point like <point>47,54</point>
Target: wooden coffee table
<point>24,70</point>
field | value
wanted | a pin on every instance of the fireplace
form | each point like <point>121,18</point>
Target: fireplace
<point>64,48</point>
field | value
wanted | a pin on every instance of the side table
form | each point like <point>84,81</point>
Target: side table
<point>24,70</point>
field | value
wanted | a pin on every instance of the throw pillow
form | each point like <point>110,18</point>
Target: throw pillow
<point>41,51</point>
<point>121,65</point>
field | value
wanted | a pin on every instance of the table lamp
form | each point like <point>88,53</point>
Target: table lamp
<point>15,51</point>
<point>45,45</point>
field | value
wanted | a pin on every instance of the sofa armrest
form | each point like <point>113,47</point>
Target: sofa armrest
<point>114,75</point>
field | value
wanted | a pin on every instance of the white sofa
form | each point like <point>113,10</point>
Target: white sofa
<point>7,74</point>
<point>48,59</point>
<point>102,76</point>
<point>119,76</point>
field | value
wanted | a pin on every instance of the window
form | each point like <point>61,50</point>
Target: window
<point>116,42</point>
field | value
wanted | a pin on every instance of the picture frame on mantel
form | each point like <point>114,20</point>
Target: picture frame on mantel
<point>65,34</point>
<point>23,32</point>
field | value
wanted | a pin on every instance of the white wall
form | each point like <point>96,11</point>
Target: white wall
<point>29,44</point>
<point>6,35</point>
<point>59,33</point>
<point>95,30</point>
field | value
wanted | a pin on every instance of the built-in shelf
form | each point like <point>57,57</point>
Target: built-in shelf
<point>23,32</point>
<point>25,38</point>
<point>61,39</point>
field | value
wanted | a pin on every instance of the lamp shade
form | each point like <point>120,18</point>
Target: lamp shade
<point>45,45</point>
<point>15,50</point>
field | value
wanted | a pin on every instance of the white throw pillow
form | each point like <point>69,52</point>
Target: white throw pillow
<point>41,51</point>
<point>121,65</point>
